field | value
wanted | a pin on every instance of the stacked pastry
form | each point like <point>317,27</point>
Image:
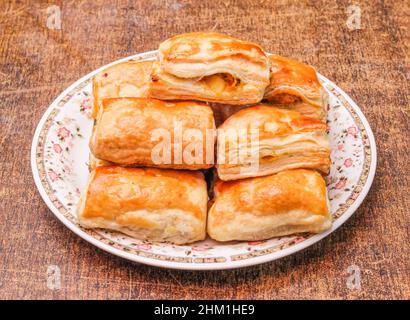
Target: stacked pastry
<point>154,139</point>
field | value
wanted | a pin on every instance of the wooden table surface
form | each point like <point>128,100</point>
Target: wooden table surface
<point>370,63</point>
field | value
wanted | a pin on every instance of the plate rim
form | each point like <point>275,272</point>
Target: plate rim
<point>199,266</point>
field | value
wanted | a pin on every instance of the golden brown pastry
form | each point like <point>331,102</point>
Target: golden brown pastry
<point>288,202</point>
<point>125,79</point>
<point>148,204</point>
<point>262,140</point>
<point>295,85</point>
<point>150,132</point>
<point>209,66</point>
<point>94,162</point>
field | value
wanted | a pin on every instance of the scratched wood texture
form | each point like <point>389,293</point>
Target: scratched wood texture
<point>371,64</point>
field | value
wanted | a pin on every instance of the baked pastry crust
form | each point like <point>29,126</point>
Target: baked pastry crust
<point>209,66</point>
<point>94,162</point>
<point>125,79</point>
<point>130,131</point>
<point>285,140</point>
<point>295,85</point>
<point>138,202</point>
<point>288,202</point>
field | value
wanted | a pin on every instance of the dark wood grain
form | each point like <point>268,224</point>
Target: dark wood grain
<point>371,64</point>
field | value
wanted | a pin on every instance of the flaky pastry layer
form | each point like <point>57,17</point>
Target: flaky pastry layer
<point>147,204</point>
<point>151,132</point>
<point>285,140</point>
<point>209,66</point>
<point>252,209</point>
<point>295,85</point>
<point>125,79</point>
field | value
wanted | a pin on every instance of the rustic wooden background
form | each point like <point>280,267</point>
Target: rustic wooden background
<point>371,64</point>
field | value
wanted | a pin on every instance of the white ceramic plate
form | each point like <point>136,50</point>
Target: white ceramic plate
<point>59,159</point>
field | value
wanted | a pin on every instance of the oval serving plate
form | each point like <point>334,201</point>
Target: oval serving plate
<point>59,160</point>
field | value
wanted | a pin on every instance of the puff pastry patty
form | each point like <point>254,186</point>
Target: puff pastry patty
<point>148,204</point>
<point>295,85</point>
<point>125,79</point>
<point>288,202</point>
<point>285,140</point>
<point>132,131</point>
<point>210,66</point>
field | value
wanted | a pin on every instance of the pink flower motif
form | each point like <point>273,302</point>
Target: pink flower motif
<point>53,175</point>
<point>341,183</point>
<point>63,133</point>
<point>199,248</point>
<point>255,243</point>
<point>348,162</point>
<point>299,239</point>
<point>57,148</point>
<point>144,246</point>
<point>353,131</point>
<point>340,146</point>
<point>57,204</point>
<point>86,104</point>
<point>67,168</point>
<point>354,195</point>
